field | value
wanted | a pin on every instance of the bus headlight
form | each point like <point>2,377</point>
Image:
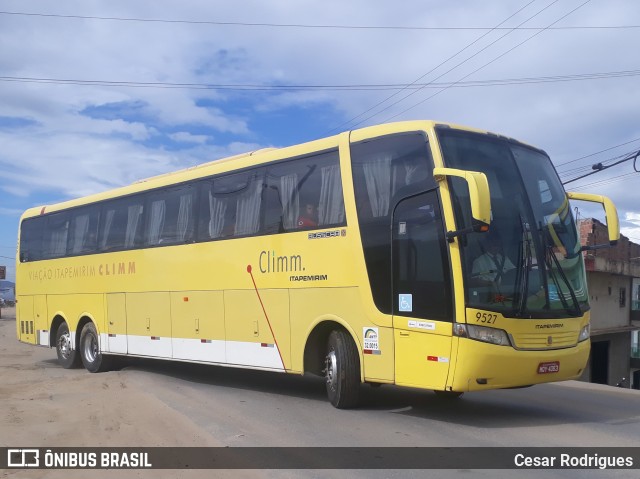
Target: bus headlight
<point>481,333</point>
<point>584,333</point>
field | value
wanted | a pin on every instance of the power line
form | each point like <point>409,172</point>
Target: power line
<point>302,25</point>
<point>496,58</point>
<point>456,66</point>
<point>599,167</point>
<point>577,170</point>
<point>334,87</point>
<point>606,181</point>
<point>432,70</point>
<point>598,152</point>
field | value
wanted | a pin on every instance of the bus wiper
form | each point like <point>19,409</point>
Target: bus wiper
<point>525,261</point>
<point>576,306</point>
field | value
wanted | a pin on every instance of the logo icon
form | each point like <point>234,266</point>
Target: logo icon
<point>23,458</point>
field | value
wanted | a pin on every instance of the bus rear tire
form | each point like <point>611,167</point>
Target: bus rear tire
<point>342,370</point>
<point>92,358</point>
<point>68,356</point>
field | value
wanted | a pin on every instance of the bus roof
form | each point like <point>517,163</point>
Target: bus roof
<point>244,160</point>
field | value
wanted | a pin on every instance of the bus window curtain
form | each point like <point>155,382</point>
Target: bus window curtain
<point>290,200</point>
<point>107,228</point>
<point>80,230</point>
<point>248,212</point>
<point>134,212</point>
<point>331,205</point>
<point>58,243</point>
<point>157,221</point>
<point>217,211</point>
<point>378,180</point>
<point>184,215</point>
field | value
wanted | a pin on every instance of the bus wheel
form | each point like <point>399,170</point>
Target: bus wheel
<point>67,355</point>
<point>342,370</point>
<point>94,361</point>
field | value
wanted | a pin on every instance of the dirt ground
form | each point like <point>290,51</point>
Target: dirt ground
<point>44,405</point>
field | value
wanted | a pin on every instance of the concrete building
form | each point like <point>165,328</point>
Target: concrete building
<point>613,276</point>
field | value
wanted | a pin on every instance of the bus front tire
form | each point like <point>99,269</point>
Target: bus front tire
<point>68,357</point>
<point>342,370</point>
<point>92,358</point>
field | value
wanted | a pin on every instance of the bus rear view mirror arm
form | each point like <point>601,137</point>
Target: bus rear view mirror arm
<point>611,214</point>
<point>478,196</point>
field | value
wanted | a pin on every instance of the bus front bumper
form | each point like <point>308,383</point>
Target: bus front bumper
<point>482,366</point>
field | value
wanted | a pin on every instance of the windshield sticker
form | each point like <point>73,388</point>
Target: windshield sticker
<point>405,302</point>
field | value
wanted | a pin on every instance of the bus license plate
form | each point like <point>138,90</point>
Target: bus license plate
<point>546,368</point>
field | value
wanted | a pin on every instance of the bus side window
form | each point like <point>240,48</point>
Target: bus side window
<point>170,219</point>
<point>305,193</point>
<point>230,205</point>
<point>56,235</point>
<point>83,237</point>
<point>121,224</point>
<point>386,170</point>
<point>31,239</point>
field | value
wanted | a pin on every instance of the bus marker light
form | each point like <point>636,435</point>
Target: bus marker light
<point>437,359</point>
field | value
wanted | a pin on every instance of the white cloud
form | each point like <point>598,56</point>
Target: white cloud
<point>633,218</point>
<point>70,152</point>
<point>186,137</point>
<point>631,226</point>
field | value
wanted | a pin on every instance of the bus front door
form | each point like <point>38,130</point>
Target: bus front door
<point>422,298</point>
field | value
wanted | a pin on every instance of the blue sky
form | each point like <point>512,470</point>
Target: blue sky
<point>61,139</point>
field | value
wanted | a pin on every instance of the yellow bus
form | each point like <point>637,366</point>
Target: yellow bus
<point>420,254</point>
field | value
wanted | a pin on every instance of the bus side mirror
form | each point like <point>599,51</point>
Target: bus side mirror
<point>611,214</point>
<point>478,196</point>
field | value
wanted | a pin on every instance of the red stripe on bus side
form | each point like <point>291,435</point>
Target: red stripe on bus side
<point>249,270</point>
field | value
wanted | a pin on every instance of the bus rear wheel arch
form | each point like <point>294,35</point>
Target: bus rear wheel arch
<point>92,358</point>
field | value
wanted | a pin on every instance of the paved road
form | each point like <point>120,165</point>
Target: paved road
<point>201,405</point>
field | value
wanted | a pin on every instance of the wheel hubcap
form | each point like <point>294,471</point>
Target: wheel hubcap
<point>64,345</point>
<point>91,348</point>
<point>331,369</point>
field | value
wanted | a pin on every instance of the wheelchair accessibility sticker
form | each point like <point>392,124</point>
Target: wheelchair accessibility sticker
<point>405,302</point>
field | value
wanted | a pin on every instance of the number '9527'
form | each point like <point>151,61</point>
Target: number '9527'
<point>486,318</point>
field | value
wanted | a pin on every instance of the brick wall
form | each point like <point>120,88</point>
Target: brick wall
<point>593,232</point>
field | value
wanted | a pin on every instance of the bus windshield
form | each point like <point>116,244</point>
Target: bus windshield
<point>529,263</point>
